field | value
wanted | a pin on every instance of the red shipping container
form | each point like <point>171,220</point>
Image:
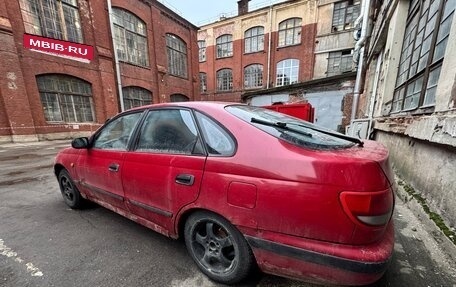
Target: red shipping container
<point>302,111</point>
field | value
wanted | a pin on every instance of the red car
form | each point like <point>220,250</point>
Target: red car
<point>243,186</point>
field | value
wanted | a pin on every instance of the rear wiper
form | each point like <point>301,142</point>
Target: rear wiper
<point>334,134</point>
<point>279,125</point>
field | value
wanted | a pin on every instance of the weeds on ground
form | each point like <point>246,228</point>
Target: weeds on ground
<point>432,215</point>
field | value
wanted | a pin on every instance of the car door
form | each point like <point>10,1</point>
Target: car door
<point>164,170</point>
<point>102,163</point>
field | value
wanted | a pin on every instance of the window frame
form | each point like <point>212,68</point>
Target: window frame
<point>290,27</point>
<point>342,18</point>
<point>282,76</point>
<point>198,116</point>
<point>138,54</point>
<point>66,101</point>
<point>176,50</point>
<point>131,137</point>
<point>224,46</point>
<point>57,25</point>
<point>224,80</point>
<point>202,51</point>
<point>197,150</point>
<point>141,93</point>
<point>177,98</point>
<point>297,131</point>
<point>253,73</point>
<point>418,62</point>
<point>203,82</point>
<point>254,37</point>
<point>344,57</point>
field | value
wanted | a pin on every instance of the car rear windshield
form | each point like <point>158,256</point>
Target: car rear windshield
<point>290,129</point>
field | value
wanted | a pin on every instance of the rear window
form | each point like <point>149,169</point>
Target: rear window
<point>288,128</point>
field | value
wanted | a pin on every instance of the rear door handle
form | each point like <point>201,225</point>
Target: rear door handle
<point>185,179</point>
<point>114,167</point>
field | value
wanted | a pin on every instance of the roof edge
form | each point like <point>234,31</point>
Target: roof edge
<point>310,83</point>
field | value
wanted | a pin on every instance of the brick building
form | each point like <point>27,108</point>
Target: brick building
<point>48,94</point>
<point>277,54</point>
<point>240,53</point>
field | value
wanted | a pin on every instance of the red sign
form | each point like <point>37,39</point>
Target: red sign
<point>70,50</point>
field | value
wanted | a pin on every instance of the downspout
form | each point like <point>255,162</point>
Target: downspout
<point>374,92</point>
<point>365,8</point>
<point>269,47</point>
<point>360,17</point>
<point>116,59</point>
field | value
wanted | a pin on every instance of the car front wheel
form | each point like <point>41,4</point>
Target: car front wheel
<point>70,192</point>
<point>218,248</point>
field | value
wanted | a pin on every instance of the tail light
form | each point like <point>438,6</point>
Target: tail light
<point>368,208</point>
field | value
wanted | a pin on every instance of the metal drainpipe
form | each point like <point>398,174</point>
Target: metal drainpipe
<point>361,42</point>
<point>374,91</point>
<point>269,47</point>
<point>116,59</point>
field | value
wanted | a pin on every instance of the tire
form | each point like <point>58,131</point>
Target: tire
<point>70,192</point>
<point>218,248</point>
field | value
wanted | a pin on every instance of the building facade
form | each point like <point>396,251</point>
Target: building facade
<point>277,54</point>
<point>269,47</point>
<point>59,75</point>
<point>409,99</point>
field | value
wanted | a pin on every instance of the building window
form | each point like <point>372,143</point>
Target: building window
<point>224,80</point>
<point>339,62</point>
<point>203,82</point>
<point>254,39</point>
<point>224,46</point>
<point>136,97</point>
<point>178,98</point>
<point>290,32</point>
<point>287,72</point>
<point>202,51</point>
<point>177,56</point>
<point>425,40</point>
<point>253,76</point>
<point>53,19</point>
<point>65,99</point>
<point>345,14</point>
<point>130,38</point>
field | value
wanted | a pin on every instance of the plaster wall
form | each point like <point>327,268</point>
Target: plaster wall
<point>429,168</point>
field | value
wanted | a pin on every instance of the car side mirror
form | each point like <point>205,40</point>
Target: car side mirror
<point>80,143</point>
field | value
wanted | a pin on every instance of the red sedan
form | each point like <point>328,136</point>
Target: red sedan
<point>243,186</point>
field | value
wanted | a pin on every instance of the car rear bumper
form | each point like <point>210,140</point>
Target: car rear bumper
<point>324,262</point>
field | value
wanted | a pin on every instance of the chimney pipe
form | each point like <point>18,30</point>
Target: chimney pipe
<point>243,7</point>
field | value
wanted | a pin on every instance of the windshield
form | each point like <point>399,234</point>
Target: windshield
<point>290,129</point>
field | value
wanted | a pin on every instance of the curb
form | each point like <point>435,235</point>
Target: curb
<point>447,246</point>
<point>35,143</point>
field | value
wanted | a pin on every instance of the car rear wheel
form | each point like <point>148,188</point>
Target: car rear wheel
<point>70,192</point>
<point>218,248</point>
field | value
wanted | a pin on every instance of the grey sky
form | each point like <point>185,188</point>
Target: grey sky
<point>204,11</point>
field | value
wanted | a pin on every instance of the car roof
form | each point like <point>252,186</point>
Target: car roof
<point>191,104</point>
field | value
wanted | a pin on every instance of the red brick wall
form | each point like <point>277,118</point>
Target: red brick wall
<point>4,125</point>
<point>20,104</point>
<point>304,52</point>
<point>13,90</point>
<point>169,84</point>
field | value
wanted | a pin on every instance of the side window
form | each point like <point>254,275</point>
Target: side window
<point>169,131</point>
<point>218,141</point>
<point>116,134</point>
